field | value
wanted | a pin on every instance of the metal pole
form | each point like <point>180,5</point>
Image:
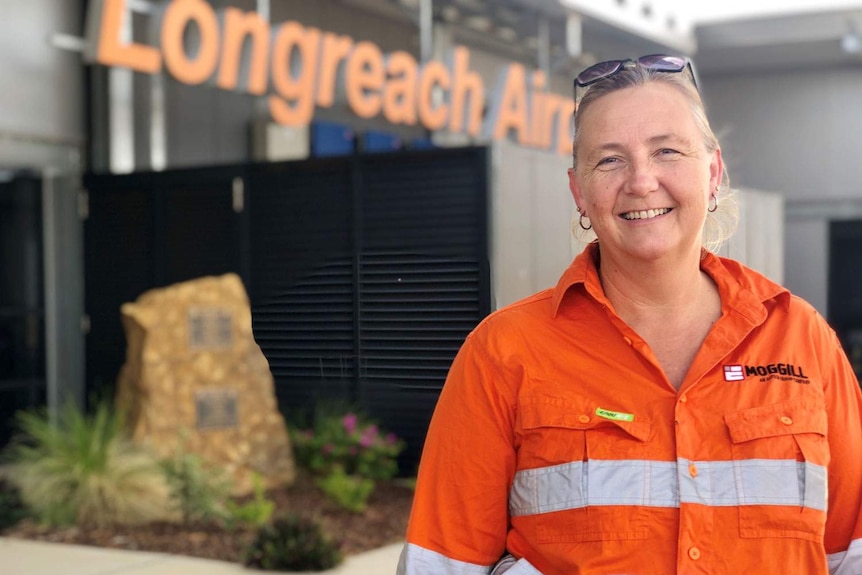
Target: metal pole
<point>426,29</point>
<point>544,47</point>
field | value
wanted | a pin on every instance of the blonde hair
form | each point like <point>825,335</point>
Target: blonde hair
<point>721,223</point>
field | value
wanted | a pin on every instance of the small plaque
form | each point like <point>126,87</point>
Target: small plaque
<point>216,409</point>
<point>210,328</point>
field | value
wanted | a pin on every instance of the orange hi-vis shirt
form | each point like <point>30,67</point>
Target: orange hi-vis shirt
<point>558,440</point>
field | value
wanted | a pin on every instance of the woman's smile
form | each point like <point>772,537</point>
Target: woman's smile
<point>645,214</point>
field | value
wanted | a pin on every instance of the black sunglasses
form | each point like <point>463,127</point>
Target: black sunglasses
<point>652,62</point>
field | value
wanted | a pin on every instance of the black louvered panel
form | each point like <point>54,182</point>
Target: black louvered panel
<point>427,203</point>
<point>302,278</point>
<point>308,329</point>
<point>301,215</point>
<point>414,314</point>
<point>201,231</point>
<point>422,281</point>
<point>118,267</point>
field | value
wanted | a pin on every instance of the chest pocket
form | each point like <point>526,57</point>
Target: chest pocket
<point>575,469</point>
<point>780,459</point>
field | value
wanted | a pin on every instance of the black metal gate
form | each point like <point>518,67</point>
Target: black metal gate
<point>365,273</point>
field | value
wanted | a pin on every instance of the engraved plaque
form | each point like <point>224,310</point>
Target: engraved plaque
<point>210,328</point>
<point>216,409</point>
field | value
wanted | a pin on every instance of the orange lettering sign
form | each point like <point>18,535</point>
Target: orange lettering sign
<point>364,80</point>
<point>335,50</point>
<point>466,84</point>
<point>302,67</point>
<point>433,80</point>
<point>399,94</point>
<point>177,18</point>
<point>238,26</point>
<point>297,106</point>
<point>511,113</point>
<point>111,51</point>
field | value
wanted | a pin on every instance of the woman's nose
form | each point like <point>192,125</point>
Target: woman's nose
<point>642,178</point>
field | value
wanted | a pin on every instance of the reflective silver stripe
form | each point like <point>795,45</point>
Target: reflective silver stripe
<point>595,482</point>
<point>510,566</point>
<point>415,560</point>
<point>754,482</point>
<point>846,562</point>
<point>645,483</point>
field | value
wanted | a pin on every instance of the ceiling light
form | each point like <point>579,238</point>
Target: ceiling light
<point>450,13</point>
<point>851,43</point>
<point>480,23</point>
<point>506,33</point>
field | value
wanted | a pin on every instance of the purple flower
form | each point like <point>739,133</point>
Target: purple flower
<point>349,422</point>
<point>369,436</point>
<point>391,439</point>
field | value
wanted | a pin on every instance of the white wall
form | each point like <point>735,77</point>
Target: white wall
<point>42,98</point>
<point>798,133</point>
<point>531,214</point>
<point>759,238</point>
<point>808,240</point>
<point>42,128</point>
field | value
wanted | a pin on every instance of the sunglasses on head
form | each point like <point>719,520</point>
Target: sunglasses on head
<point>652,62</point>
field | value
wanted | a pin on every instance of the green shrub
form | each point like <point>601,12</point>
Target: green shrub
<point>348,441</point>
<point>292,543</point>
<point>198,491</point>
<point>85,469</point>
<point>348,491</point>
<point>12,509</point>
<point>255,512</point>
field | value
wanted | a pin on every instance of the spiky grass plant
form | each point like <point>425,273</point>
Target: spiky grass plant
<point>85,470</point>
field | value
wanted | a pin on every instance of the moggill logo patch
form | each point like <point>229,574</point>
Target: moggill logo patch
<point>733,373</point>
<point>779,371</point>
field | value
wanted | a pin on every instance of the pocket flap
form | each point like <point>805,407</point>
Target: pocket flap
<point>576,413</point>
<point>786,418</point>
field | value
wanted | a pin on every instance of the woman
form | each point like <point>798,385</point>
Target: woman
<point>661,410</point>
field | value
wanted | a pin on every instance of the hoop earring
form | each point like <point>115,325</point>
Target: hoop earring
<point>581,223</point>
<point>713,204</point>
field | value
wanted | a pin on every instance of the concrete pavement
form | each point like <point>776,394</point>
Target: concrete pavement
<point>25,557</point>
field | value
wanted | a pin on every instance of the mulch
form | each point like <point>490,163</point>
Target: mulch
<point>384,521</point>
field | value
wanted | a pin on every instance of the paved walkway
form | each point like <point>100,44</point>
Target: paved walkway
<point>25,557</point>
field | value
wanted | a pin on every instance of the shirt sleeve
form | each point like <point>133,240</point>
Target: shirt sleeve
<point>459,520</point>
<point>843,537</point>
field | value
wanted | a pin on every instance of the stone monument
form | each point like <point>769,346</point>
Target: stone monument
<point>195,379</point>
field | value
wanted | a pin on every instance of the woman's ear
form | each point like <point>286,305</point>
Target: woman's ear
<point>575,188</point>
<point>716,170</point>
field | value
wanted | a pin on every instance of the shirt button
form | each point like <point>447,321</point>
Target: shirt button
<point>683,399</point>
<point>786,420</point>
<point>627,340</point>
<point>694,553</point>
<point>692,470</point>
<point>584,418</point>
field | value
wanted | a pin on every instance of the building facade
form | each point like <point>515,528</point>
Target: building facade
<point>160,97</point>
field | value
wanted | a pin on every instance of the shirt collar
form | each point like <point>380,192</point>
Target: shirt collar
<point>740,289</point>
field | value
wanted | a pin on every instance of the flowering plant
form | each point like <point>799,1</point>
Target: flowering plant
<point>350,442</point>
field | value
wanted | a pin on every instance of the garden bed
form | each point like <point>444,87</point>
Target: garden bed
<point>384,521</point>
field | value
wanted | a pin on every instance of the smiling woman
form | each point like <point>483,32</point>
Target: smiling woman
<point>619,422</point>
